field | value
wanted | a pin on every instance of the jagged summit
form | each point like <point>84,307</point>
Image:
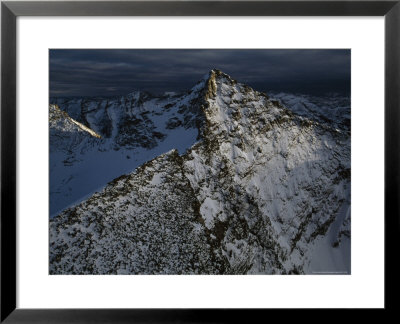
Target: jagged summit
<point>227,107</point>
<point>216,76</point>
<point>216,73</point>
<point>136,94</point>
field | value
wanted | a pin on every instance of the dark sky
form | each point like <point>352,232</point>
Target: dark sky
<point>118,72</point>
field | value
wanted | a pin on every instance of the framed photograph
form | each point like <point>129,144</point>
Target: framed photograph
<point>163,159</point>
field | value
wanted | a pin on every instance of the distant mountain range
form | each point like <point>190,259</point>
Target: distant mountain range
<point>222,179</point>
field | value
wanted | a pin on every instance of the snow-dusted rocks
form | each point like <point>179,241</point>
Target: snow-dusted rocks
<point>133,129</point>
<point>255,191</point>
<point>333,110</point>
<point>145,222</point>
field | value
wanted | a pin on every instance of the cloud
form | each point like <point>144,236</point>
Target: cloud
<point>117,72</point>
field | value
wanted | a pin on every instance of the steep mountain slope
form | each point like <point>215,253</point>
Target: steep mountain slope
<point>133,129</point>
<point>332,110</point>
<point>255,194</point>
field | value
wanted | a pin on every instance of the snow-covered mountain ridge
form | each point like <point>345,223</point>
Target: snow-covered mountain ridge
<point>133,129</point>
<point>257,189</point>
<point>333,111</point>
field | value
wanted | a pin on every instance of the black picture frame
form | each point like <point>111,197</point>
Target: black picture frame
<point>10,10</point>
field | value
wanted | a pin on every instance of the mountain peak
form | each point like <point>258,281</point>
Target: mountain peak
<point>134,93</point>
<point>215,77</point>
<point>138,96</point>
<point>216,74</point>
<point>219,73</point>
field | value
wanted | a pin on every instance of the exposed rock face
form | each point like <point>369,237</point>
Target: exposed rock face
<point>252,195</point>
<point>67,133</point>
